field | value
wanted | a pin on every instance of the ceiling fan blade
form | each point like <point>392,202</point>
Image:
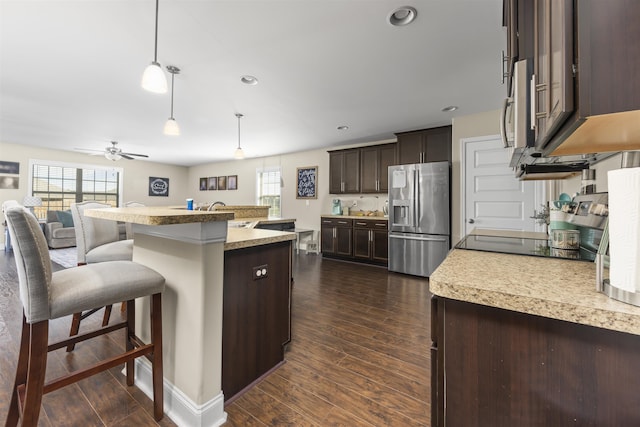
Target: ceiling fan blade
<point>89,149</point>
<point>124,155</point>
<point>134,154</point>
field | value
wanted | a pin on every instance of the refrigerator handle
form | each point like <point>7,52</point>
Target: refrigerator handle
<point>416,197</point>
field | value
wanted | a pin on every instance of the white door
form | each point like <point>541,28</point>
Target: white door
<point>493,197</point>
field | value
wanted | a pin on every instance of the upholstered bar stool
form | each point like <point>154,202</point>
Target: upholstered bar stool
<point>97,240</point>
<point>46,296</point>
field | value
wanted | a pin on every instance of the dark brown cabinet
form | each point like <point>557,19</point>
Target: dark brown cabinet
<point>553,66</point>
<point>374,163</point>
<point>344,171</point>
<point>371,240</point>
<point>517,17</point>
<point>336,237</point>
<point>505,368</point>
<point>256,318</point>
<point>422,146</point>
<point>586,98</point>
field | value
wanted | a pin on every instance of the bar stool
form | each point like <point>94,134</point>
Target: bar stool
<point>46,296</point>
<point>97,240</point>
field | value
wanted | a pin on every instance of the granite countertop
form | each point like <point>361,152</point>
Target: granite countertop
<point>153,215</point>
<point>238,238</point>
<point>384,218</point>
<point>553,288</point>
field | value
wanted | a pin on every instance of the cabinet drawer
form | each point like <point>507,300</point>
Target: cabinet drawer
<point>336,222</point>
<point>371,224</point>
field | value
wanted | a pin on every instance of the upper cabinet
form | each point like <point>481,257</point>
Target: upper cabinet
<point>585,94</point>
<point>374,163</point>
<point>428,145</point>
<point>517,17</point>
<point>344,171</point>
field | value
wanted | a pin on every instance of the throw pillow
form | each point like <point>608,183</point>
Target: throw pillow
<point>65,218</point>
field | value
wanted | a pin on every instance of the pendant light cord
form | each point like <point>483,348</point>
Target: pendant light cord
<point>155,51</point>
<point>239,116</point>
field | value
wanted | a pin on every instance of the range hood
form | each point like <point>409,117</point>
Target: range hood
<point>530,165</point>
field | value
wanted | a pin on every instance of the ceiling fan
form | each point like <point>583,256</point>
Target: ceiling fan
<point>114,153</point>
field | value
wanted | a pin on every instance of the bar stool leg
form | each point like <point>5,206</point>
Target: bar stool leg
<point>35,373</point>
<point>131,332</point>
<point>156,339</point>
<point>21,374</point>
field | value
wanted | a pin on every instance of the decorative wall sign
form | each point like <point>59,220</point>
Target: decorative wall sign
<point>232,182</point>
<point>8,182</point>
<point>222,183</point>
<point>307,180</point>
<point>204,184</point>
<point>213,183</point>
<point>158,186</point>
<point>9,167</point>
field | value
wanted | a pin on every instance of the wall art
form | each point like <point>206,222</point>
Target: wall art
<point>232,182</point>
<point>307,183</point>
<point>158,186</point>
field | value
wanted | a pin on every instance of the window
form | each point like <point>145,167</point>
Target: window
<point>60,184</point>
<point>268,189</point>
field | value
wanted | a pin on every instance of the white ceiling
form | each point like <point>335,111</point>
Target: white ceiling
<point>70,73</point>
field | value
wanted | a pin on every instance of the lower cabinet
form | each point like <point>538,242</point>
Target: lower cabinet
<point>363,240</point>
<point>371,240</point>
<point>496,367</point>
<point>337,236</point>
<point>256,318</point>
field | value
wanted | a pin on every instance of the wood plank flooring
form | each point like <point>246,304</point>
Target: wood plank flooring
<point>359,357</point>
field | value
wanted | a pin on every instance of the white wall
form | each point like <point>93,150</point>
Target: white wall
<point>306,212</point>
<point>136,174</point>
<point>571,186</point>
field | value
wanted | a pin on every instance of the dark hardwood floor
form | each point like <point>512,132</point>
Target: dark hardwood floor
<point>359,357</point>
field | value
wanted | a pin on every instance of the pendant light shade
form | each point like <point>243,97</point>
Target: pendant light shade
<point>171,126</point>
<point>153,78</point>
<point>239,154</point>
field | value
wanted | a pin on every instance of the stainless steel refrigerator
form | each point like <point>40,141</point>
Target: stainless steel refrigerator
<point>419,217</point>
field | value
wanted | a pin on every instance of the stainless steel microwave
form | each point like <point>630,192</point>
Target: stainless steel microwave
<point>516,112</point>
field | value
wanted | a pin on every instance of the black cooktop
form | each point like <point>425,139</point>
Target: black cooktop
<point>520,246</point>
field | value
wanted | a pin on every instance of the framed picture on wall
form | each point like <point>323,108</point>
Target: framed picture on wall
<point>204,184</point>
<point>222,183</point>
<point>158,186</point>
<point>232,182</point>
<point>307,179</point>
<point>213,183</point>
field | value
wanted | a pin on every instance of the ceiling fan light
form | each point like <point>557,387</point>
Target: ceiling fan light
<point>171,127</point>
<point>239,154</point>
<point>154,79</point>
<point>112,156</point>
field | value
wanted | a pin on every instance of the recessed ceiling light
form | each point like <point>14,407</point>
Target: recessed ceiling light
<point>249,80</point>
<point>343,127</point>
<point>450,108</point>
<point>404,15</point>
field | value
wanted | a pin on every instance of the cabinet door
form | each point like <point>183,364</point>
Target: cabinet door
<point>410,148</point>
<point>351,171</point>
<point>380,245</point>
<point>344,241</point>
<point>336,160</point>
<point>438,144</point>
<point>361,242</point>
<point>326,239</point>
<point>387,158</point>
<point>369,166</point>
<point>561,63</point>
<point>541,67</point>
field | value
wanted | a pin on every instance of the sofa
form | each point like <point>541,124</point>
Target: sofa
<point>59,230</point>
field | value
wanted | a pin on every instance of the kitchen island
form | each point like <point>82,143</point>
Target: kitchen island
<point>189,248</point>
<point>528,341</point>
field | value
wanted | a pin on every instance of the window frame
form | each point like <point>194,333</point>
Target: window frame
<point>259,173</point>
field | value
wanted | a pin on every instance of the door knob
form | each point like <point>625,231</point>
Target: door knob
<point>471,221</point>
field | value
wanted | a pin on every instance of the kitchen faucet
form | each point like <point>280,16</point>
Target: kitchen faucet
<point>211,206</point>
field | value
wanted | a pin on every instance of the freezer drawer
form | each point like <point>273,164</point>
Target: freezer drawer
<point>417,254</point>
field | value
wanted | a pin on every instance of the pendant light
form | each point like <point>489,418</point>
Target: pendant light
<point>239,154</point>
<point>153,78</point>
<point>171,127</point>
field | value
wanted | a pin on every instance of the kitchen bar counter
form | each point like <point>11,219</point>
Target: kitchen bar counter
<point>155,215</point>
<point>238,238</point>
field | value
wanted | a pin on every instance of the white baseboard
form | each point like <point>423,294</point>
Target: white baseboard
<point>177,406</point>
